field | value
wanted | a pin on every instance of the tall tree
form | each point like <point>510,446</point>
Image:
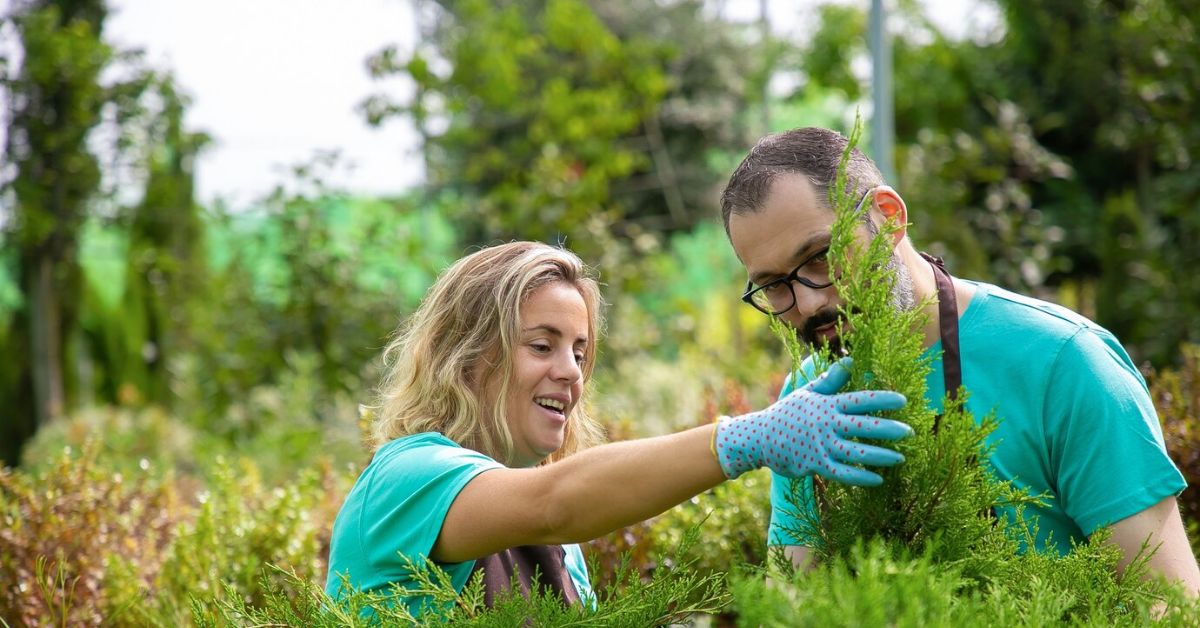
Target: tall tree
<point>165,266</point>
<point>55,97</point>
<point>1123,113</point>
<point>1056,154</point>
<point>572,118</point>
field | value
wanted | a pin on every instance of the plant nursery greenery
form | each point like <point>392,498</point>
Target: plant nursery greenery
<point>667,597</point>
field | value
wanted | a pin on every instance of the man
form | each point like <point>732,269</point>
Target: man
<point>1075,419</point>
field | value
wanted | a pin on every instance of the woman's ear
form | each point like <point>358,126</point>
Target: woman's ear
<point>889,204</point>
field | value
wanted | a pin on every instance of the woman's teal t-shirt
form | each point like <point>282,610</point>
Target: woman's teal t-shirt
<point>396,510</point>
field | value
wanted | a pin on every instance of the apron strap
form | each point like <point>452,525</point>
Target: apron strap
<point>947,329</point>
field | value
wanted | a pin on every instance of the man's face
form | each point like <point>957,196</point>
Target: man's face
<point>792,225</point>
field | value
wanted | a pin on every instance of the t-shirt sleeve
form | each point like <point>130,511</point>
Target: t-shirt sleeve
<point>576,566</point>
<point>1105,441</point>
<point>407,502</point>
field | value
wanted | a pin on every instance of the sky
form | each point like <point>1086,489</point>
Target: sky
<point>276,81</point>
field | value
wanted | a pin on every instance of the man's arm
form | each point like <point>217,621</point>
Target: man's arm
<point>1163,526</point>
<point>801,556</point>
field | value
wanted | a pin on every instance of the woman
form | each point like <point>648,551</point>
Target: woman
<point>482,459</point>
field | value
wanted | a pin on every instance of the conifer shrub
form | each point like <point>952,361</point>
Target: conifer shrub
<point>928,547</point>
<point>666,597</point>
<point>877,584</point>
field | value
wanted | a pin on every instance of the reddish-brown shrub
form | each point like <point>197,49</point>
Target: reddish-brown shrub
<point>1176,394</point>
<point>59,529</point>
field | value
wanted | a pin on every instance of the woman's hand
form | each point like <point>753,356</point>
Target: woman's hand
<point>808,433</point>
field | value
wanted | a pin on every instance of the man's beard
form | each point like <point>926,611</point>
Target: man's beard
<point>902,299</point>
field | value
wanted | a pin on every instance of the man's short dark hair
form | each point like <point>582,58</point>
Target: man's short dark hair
<point>810,151</point>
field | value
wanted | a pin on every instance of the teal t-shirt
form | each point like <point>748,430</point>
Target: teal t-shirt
<point>1074,417</point>
<point>397,507</point>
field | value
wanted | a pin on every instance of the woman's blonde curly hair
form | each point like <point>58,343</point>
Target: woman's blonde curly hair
<point>461,341</point>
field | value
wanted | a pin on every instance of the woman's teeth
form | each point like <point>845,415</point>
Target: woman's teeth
<point>550,403</point>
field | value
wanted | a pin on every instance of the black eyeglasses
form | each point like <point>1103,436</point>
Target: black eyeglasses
<point>776,297</point>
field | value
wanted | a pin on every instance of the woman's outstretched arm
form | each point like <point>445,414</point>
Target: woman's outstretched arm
<point>579,498</point>
<point>605,488</point>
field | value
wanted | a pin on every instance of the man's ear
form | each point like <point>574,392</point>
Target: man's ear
<point>889,204</point>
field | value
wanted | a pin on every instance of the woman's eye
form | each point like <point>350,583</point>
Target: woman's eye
<point>540,347</point>
<point>580,358</point>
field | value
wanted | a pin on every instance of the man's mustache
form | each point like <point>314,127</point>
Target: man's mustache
<point>822,318</point>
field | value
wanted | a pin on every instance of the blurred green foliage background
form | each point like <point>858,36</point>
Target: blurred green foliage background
<point>201,365</point>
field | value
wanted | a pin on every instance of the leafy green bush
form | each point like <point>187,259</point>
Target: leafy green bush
<point>272,426</point>
<point>123,440</point>
<point>733,520</point>
<point>84,544</point>
<point>732,517</point>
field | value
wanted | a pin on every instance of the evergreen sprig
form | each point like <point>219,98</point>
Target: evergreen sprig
<point>670,596</point>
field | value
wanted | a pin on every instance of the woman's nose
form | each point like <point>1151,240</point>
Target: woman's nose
<point>567,368</point>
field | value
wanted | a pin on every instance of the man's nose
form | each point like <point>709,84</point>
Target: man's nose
<point>808,302</point>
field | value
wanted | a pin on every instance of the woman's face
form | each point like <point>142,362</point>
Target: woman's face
<point>547,370</point>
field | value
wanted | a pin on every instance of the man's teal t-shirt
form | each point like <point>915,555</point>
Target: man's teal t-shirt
<point>1074,418</point>
<point>396,508</point>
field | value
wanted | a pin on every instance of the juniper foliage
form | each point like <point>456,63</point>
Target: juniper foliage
<point>669,596</point>
<point>942,541</point>
<point>877,584</point>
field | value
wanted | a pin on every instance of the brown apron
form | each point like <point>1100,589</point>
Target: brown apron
<point>546,560</point>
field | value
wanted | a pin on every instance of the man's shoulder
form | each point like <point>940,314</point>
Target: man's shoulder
<point>1011,324</point>
<point>1034,318</point>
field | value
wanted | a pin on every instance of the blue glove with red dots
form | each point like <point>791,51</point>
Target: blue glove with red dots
<point>808,432</point>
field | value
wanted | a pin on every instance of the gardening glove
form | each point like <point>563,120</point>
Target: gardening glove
<point>807,432</point>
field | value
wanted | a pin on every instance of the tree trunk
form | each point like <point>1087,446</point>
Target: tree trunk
<point>45,341</point>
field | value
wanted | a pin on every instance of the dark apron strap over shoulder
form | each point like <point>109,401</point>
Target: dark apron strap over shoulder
<point>947,328</point>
